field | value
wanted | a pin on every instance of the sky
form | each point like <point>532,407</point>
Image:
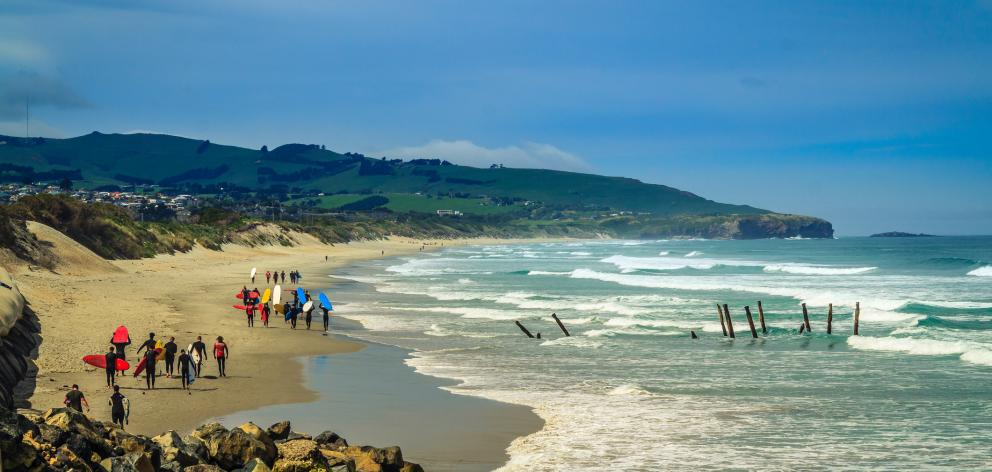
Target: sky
<point>874,115</point>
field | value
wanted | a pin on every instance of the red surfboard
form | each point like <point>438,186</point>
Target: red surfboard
<point>141,365</point>
<point>252,294</point>
<point>239,307</point>
<point>99,360</point>
<point>120,335</point>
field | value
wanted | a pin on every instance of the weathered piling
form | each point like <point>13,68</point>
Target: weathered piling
<point>750,322</point>
<point>802,327</point>
<point>761,318</point>
<point>719,312</point>
<point>560,324</point>
<point>857,316</point>
<point>830,318</point>
<point>806,319</point>
<point>693,333</point>
<point>521,326</point>
<point>730,322</point>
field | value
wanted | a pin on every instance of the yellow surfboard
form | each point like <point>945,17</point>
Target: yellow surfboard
<point>266,295</point>
<point>278,309</point>
<point>161,354</point>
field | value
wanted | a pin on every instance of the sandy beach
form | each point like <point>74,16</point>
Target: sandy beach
<point>184,295</point>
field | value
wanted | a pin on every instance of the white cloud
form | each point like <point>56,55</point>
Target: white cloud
<point>19,54</point>
<point>465,152</point>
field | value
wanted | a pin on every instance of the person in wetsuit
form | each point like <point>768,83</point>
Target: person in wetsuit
<point>327,316</point>
<point>75,399</point>
<point>268,275</point>
<point>250,311</point>
<point>244,294</point>
<point>150,356</point>
<point>283,276</point>
<point>264,313</point>
<point>185,362</point>
<point>309,316</point>
<point>200,348</point>
<point>117,407</point>
<point>170,356</point>
<point>221,354</point>
<point>149,343</point>
<point>110,359</point>
<point>294,315</point>
<point>119,347</point>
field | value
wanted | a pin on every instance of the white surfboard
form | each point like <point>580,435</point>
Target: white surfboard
<point>276,295</point>
<point>195,356</point>
<point>253,270</point>
<point>308,306</point>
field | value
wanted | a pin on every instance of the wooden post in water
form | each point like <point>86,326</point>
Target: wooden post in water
<point>857,315</point>
<point>730,322</point>
<point>560,324</point>
<point>521,326</point>
<point>750,322</point>
<point>719,312</point>
<point>830,318</point>
<point>806,319</point>
<point>693,333</point>
<point>761,318</point>
<point>802,327</point>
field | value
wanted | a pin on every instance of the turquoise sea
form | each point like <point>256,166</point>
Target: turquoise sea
<point>630,390</point>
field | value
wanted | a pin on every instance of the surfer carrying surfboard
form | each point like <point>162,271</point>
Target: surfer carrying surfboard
<point>199,352</point>
<point>111,365</point>
<point>184,368</point>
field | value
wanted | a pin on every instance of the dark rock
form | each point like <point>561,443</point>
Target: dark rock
<point>411,467</point>
<point>256,465</point>
<point>175,450</point>
<point>78,445</point>
<point>52,434</point>
<point>300,455</point>
<point>66,459</point>
<point>203,468</point>
<point>17,456</point>
<point>294,435</point>
<point>330,438</point>
<point>279,430</point>
<point>128,463</point>
<point>196,448</point>
<point>208,431</point>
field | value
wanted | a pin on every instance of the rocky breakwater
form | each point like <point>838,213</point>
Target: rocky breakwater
<point>65,439</point>
<point>19,341</point>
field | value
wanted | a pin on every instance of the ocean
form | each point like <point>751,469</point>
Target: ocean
<point>630,389</point>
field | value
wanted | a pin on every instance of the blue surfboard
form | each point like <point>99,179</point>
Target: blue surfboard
<point>301,295</point>
<point>326,301</point>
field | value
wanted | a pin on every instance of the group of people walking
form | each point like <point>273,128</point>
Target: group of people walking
<point>274,276</point>
<point>253,304</point>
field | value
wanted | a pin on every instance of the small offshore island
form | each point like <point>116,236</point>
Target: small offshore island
<point>900,234</point>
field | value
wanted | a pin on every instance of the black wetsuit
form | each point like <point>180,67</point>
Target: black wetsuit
<point>294,314</point>
<point>308,317</point>
<point>184,365</point>
<point>170,357</point>
<point>119,347</point>
<point>150,368</point>
<point>327,317</point>
<point>117,408</point>
<point>111,367</point>
<point>200,348</point>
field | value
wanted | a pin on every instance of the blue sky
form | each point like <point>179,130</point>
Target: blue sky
<point>875,115</point>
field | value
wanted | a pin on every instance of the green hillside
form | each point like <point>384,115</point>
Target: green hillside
<point>181,163</point>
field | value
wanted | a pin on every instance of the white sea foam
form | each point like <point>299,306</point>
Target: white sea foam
<point>664,253</point>
<point>972,352</point>
<point>985,271</point>
<point>816,270</point>
<point>580,253</point>
<point>545,272</point>
<point>629,390</point>
<point>693,254</point>
<point>576,341</point>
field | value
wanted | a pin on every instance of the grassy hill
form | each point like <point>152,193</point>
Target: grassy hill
<point>311,177</point>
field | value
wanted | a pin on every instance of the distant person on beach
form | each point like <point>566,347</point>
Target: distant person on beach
<point>283,276</point>
<point>220,353</point>
<point>265,315</point>
<point>119,347</point>
<point>185,361</point>
<point>327,316</point>
<point>200,348</point>
<point>110,359</point>
<point>285,310</point>
<point>253,279</point>
<point>294,313</point>
<point>296,298</point>
<point>250,311</point>
<point>150,360</point>
<point>308,317</point>
<point>117,407</point>
<point>325,258</point>
<point>170,356</point>
<point>268,275</point>
<point>75,399</point>
<point>244,294</point>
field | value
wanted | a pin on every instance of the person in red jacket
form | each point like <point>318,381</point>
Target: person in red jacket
<point>221,353</point>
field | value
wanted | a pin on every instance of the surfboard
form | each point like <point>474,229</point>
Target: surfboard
<point>99,360</point>
<point>190,377</point>
<point>251,294</point>
<point>127,409</point>
<point>301,295</point>
<point>141,365</point>
<point>239,307</point>
<point>195,356</point>
<point>120,335</point>
<point>276,295</point>
<point>326,301</point>
<point>160,349</point>
<point>266,295</point>
<point>308,306</point>
<point>253,270</point>
<point>289,314</point>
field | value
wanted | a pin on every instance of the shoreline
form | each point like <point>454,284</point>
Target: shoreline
<point>188,294</point>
